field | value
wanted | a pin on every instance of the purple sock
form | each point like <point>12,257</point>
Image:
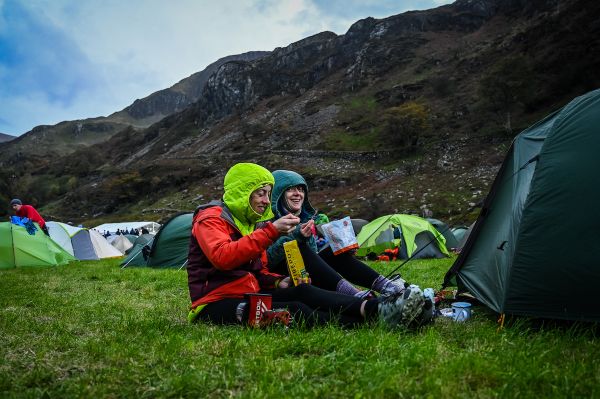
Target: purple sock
<point>344,287</point>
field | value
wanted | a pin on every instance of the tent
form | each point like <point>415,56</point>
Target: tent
<point>462,233</point>
<point>410,233</point>
<point>358,224</point>
<point>444,229</point>
<point>533,248</point>
<point>112,228</point>
<point>18,248</point>
<point>120,242</point>
<point>82,243</point>
<point>170,246</point>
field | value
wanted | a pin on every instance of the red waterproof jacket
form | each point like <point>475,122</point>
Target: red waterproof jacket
<point>29,212</point>
<point>224,264</point>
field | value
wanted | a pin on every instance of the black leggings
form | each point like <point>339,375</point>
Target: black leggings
<point>309,305</point>
<point>326,269</point>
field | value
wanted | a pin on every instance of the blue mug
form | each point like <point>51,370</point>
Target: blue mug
<point>461,310</point>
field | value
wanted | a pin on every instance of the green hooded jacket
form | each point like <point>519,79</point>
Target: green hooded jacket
<point>239,183</point>
<point>285,179</point>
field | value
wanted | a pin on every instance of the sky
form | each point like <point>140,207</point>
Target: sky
<point>74,59</point>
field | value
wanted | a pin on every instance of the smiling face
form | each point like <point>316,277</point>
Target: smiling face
<point>260,199</point>
<point>294,198</point>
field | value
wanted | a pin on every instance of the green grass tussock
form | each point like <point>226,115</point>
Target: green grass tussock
<point>91,329</point>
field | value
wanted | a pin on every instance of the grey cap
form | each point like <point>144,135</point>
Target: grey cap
<point>16,201</point>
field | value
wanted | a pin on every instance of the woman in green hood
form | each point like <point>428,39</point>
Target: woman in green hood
<point>328,271</point>
<point>227,259</point>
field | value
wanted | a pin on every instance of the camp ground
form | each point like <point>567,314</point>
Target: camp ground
<point>532,249</point>
<point>411,234</point>
<point>82,243</point>
<point>18,248</point>
<point>112,228</point>
<point>168,248</point>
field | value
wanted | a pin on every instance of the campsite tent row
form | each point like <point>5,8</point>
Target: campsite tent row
<point>169,248</point>
<point>82,243</point>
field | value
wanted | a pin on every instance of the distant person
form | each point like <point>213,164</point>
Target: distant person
<point>28,211</point>
<point>145,231</point>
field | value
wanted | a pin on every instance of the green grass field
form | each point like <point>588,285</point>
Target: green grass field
<point>91,329</point>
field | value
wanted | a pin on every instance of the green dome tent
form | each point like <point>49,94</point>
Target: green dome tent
<point>378,235</point>
<point>533,248</point>
<point>169,248</point>
<point>18,248</point>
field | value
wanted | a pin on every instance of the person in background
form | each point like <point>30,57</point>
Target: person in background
<point>227,259</point>
<point>328,271</point>
<point>28,211</point>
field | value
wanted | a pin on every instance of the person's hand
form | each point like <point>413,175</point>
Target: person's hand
<point>285,283</point>
<point>286,224</point>
<point>306,229</point>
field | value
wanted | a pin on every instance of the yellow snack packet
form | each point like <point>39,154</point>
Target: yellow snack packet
<point>295,263</point>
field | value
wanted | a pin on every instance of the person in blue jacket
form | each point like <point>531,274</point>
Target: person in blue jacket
<point>328,271</point>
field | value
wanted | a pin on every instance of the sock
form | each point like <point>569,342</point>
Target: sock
<point>344,287</point>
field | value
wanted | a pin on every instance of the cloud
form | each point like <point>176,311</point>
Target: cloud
<point>68,59</point>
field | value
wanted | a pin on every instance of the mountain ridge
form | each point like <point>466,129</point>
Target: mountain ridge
<point>399,114</point>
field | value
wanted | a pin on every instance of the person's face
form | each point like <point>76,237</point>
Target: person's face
<point>16,207</point>
<point>294,197</point>
<point>260,199</point>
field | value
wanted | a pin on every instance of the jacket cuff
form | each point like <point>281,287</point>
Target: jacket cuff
<point>272,231</point>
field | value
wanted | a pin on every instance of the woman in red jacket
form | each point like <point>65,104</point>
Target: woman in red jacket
<point>227,259</point>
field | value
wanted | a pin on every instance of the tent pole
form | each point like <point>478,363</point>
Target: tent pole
<point>138,252</point>
<point>184,263</point>
<point>12,240</point>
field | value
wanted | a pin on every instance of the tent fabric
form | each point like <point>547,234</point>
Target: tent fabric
<point>530,245</point>
<point>112,228</point>
<point>378,235</point>
<point>444,229</point>
<point>20,249</point>
<point>170,246</point>
<point>120,242</point>
<point>135,257</point>
<point>82,243</point>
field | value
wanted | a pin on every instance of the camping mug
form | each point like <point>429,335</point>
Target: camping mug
<point>461,310</point>
<point>259,304</point>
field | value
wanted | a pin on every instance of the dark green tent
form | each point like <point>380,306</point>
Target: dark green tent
<point>169,248</point>
<point>533,248</point>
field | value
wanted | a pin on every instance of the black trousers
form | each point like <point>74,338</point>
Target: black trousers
<point>326,269</point>
<point>309,305</point>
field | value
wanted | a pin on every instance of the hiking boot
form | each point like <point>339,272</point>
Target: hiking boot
<point>403,308</point>
<point>396,285</point>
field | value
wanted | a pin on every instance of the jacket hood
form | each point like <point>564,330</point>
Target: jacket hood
<point>240,181</point>
<point>285,179</point>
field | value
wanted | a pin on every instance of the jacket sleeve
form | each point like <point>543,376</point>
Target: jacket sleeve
<point>276,254</point>
<point>213,236</point>
<point>265,278</point>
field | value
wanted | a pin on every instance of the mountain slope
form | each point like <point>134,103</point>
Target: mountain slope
<point>405,113</point>
<point>63,138</point>
<point>5,137</point>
